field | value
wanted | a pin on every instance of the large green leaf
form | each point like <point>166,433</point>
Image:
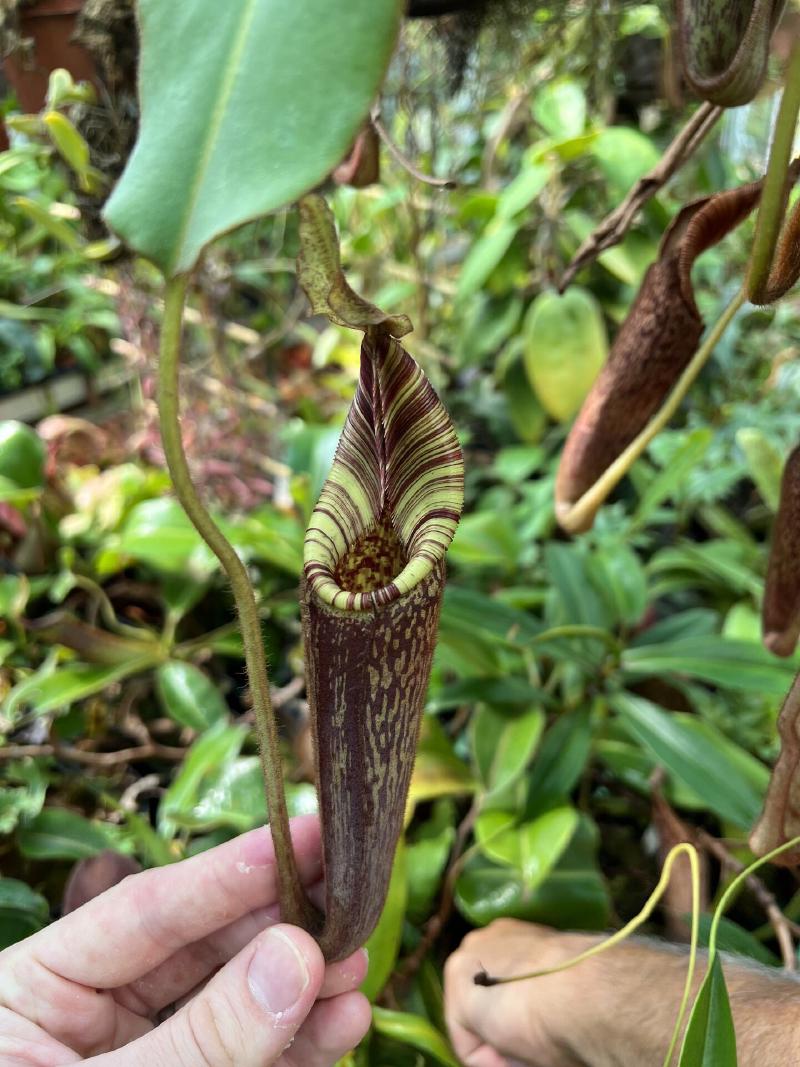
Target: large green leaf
<point>710,1039</point>
<point>573,896</point>
<point>245,106</point>
<point>730,780</point>
<point>733,664</point>
<point>565,349</point>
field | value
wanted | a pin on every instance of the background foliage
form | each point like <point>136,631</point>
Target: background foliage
<point>593,699</point>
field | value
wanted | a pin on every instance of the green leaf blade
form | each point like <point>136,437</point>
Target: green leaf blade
<point>710,1039</point>
<point>259,115</point>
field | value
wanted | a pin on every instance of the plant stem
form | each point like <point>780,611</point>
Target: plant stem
<point>593,498</point>
<point>734,888</point>
<point>775,193</point>
<point>295,906</point>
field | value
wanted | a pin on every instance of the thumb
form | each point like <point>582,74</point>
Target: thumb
<point>247,1014</point>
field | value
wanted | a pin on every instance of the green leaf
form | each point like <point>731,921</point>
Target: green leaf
<point>484,256</point>
<point>60,834</point>
<point>14,594</point>
<point>764,464</point>
<point>212,752</point>
<point>731,781</point>
<point>559,106</point>
<point>54,226</point>
<point>620,581</point>
<point>674,474</point>
<point>384,942</point>
<point>188,695</point>
<point>624,155</point>
<point>710,1039</point>
<point>503,746</point>
<point>575,596</point>
<point>732,664</point>
<point>56,690</point>
<point>69,142</point>
<point>22,798</point>
<point>523,189</point>
<point>22,455</point>
<point>534,848</point>
<point>427,857</point>
<point>574,896</point>
<point>265,107</point>
<point>525,411</point>
<point>415,1031</point>
<point>159,533</point>
<point>22,911</point>
<point>510,692</point>
<point>438,771</point>
<point>565,348</point>
<point>559,762</point>
<point>486,539</point>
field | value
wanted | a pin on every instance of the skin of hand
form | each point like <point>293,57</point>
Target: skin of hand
<point>203,935</point>
<point>617,1009</point>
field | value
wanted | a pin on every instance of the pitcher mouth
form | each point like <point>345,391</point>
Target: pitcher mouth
<point>390,506</point>
<point>374,572</point>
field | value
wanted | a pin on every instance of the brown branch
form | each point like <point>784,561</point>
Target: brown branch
<point>614,227</point>
<point>778,921</point>
<point>404,161</point>
<point>95,759</point>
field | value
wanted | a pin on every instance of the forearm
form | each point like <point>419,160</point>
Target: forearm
<point>629,999</point>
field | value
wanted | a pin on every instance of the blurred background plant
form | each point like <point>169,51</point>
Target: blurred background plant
<point>594,700</point>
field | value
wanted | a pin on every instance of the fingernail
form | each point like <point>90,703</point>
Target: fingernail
<point>278,973</point>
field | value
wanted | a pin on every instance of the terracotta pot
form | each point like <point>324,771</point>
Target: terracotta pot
<point>51,24</point>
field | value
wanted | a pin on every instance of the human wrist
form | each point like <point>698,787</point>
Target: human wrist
<point>616,991</point>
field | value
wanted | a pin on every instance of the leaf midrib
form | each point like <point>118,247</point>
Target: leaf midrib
<point>214,126</point>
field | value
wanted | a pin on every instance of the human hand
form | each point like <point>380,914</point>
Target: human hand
<point>202,934</point>
<point>523,1023</point>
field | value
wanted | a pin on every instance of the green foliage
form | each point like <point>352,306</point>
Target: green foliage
<point>271,77</point>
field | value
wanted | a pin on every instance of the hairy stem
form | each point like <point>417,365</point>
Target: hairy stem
<point>295,906</point>
<point>575,519</point>
<point>775,194</point>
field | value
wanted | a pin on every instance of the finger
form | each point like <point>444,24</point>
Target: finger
<point>346,975</point>
<point>333,1028</point>
<point>141,922</point>
<point>191,966</point>
<point>21,1042</point>
<point>472,1051</point>
<point>247,1014</point>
